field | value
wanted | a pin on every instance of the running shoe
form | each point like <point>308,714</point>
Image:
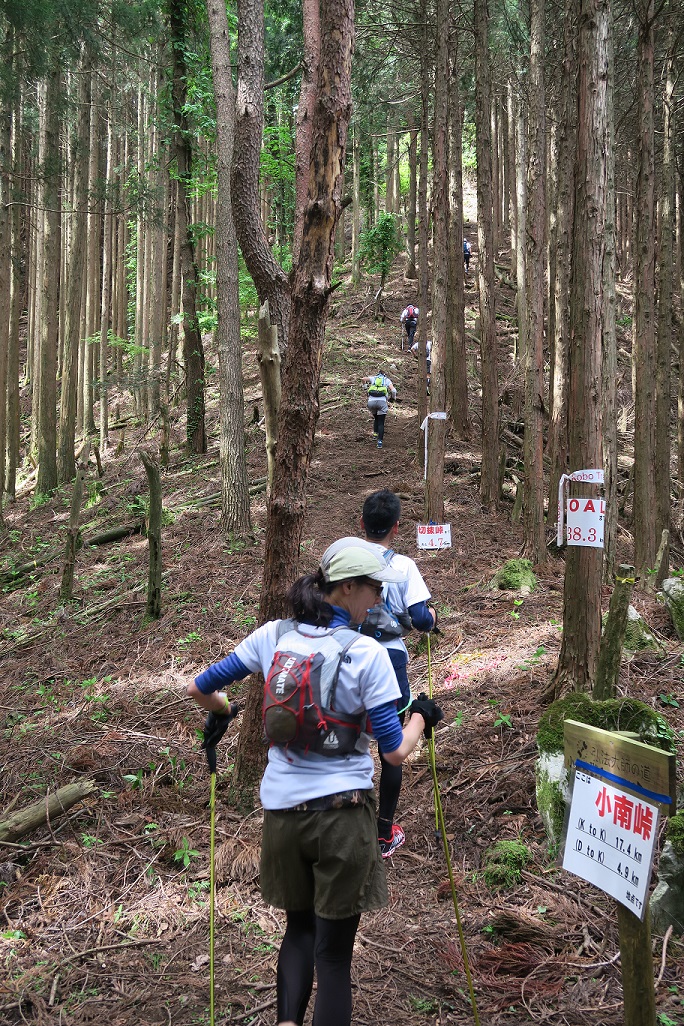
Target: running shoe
<point>388,848</point>
<point>379,444</point>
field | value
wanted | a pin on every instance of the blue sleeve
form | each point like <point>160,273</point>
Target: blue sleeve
<point>386,726</point>
<point>421,617</point>
<point>222,673</point>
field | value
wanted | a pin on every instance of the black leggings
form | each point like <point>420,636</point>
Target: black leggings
<point>328,944</point>
<point>379,425</point>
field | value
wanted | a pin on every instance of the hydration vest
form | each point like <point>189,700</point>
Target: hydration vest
<point>378,387</point>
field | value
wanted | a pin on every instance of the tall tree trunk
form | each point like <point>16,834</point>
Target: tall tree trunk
<point>74,285</point>
<point>311,29</point>
<point>534,534</point>
<point>389,170</point>
<point>489,479</point>
<point>46,481</point>
<point>565,198</point>
<point>106,289</point>
<point>235,513</point>
<point>643,339</point>
<point>193,350</point>
<point>582,598</point>
<point>411,272</point>
<point>356,206</point>
<point>609,368</point>
<point>436,428</point>
<point>16,304</point>
<point>270,280</point>
<point>456,362</point>
<point>521,241</point>
<point>310,299</point>
<point>5,263</point>
<point>92,307</point>
<point>423,213</point>
<point>665,284</point>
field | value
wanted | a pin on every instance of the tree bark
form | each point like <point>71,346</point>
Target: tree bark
<point>489,479</point>
<point>436,428</point>
<point>74,285</point>
<point>610,654</point>
<point>534,532</point>
<point>582,597</point>
<point>565,171</point>
<point>311,31</point>
<point>154,518</point>
<point>609,367</point>
<point>73,533</point>
<point>270,280</point>
<point>456,361</point>
<point>193,350</point>
<point>665,286</point>
<point>235,511</point>
<point>310,299</point>
<point>268,358</point>
<point>48,808</point>
<point>644,342</point>
<point>46,481</point>
<point>411,272</point>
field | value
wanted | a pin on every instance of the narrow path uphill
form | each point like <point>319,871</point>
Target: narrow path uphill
<point>105,911</point>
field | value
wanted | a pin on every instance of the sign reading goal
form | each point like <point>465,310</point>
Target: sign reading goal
<point>585,517</point>
<point>584,522</point>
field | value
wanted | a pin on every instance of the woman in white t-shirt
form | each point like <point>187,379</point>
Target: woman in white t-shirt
<point>320,860</point>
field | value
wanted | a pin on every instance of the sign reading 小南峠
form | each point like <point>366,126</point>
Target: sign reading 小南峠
<point>620,786</point>
<point>610,840</point>
<point>433,536</point>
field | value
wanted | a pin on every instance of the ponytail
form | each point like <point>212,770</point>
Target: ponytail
<point>307,600</point>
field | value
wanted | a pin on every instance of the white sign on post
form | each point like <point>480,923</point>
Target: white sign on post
<point>610,840</point>
<point>423,428</point>
<point>585,517</point>
<point>433,536</point>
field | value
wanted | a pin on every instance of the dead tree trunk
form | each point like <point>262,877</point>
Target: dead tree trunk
<point>154,576</point>
<point>73,535</point>
<point>268,358</point>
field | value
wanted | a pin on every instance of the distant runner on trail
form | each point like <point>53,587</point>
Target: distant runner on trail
<point>406,602</point>
<point>381,392</point>
<point>466,255</point>
<point>409,319</point>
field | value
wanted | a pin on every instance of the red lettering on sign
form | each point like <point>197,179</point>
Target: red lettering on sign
<point>589,507</point>
<point>573,505</point>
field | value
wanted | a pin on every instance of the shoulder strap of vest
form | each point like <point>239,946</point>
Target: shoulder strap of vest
<point>344,648</point>
<point>285,626</point>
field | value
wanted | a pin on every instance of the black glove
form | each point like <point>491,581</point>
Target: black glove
<point>430,712</point>
<point>215,726</point>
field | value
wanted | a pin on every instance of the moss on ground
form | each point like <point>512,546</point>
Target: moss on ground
<point>514,575</point>
<point>504,863</point>
<point>627,714</point>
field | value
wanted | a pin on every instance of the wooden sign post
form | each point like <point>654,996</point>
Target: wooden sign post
<point>620,787</point>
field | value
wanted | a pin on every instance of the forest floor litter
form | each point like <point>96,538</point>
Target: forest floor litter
<point>104,910</point>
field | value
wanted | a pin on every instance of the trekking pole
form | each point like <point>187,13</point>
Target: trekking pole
<point>439,813</point>
<point>212,836</point>
<point>209,746</point>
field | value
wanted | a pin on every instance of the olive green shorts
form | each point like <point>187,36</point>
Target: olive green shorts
<point>329,861</point>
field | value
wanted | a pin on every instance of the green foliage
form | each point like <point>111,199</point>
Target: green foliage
<point>185,853</point>
<point>380,244</point>
<point>504,863</point>
<point>514,575</point>
<point>627,714</point>
<point>674,833</point>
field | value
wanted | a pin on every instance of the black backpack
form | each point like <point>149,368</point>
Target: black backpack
<point>381,623</point>
<point>299,692</point>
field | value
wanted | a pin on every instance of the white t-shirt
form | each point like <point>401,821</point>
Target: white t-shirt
<point>399,597</point>
<point>366,680</point>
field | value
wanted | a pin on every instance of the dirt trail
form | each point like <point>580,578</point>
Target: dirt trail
<point>105,913</point>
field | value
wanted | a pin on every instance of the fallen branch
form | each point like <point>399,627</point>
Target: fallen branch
<point>48,808</point>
